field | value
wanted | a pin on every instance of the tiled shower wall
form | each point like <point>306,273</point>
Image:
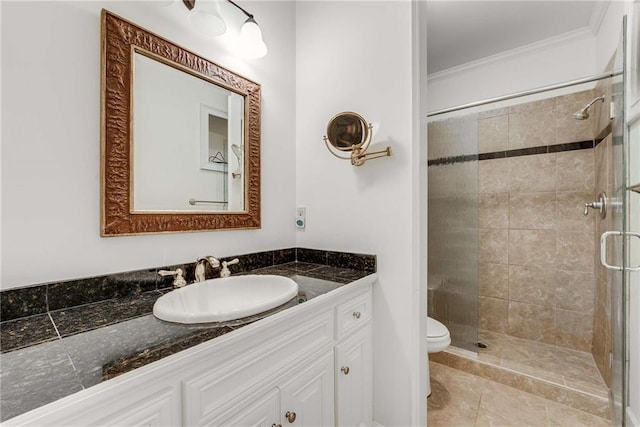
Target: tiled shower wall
<point>536,248</point>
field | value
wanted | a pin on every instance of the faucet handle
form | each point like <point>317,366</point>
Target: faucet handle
<point>225,272</point>
<point>178,281</point>
<point>600,205</point>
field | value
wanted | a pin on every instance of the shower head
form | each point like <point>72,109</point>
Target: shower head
<point>584,113</point>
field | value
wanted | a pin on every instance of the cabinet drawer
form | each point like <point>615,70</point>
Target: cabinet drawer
<point>351,315</point>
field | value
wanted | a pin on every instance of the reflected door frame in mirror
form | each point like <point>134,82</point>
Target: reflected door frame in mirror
<point>120,39</point>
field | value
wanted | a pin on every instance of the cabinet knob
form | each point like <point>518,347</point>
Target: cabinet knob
<point>356,314</point>
<point>345,370</point>
<point>276,425</point>
<point>291,416</point>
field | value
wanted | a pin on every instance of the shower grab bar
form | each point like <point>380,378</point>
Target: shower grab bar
<point>603,249</point>
<point>192,202</point>
<point>526,92</point>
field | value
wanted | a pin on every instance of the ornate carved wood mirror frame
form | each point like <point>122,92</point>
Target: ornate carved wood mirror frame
<point>120,39</point>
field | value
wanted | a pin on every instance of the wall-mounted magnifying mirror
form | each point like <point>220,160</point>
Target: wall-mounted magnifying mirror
<point>349,132</point>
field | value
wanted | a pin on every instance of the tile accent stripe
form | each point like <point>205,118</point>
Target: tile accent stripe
<point>603,134</point>
<point>543,149</point>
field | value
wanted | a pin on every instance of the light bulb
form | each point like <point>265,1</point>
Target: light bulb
<point>207,20</point>
<point>251,40</point>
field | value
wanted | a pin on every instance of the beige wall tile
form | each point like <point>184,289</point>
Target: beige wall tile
<point>582,98</point>
<point>602,225</point>
<point>575,251</point>
<point>569,129</point>
<point>574,290</point>
<point>532,285</point>
<point>493,134</point>
<point>526,129</point>
<point>570,211</point>
<point>602,162</point>
<point>574,329</point>
<point>493,176</point>
<point>494,245</point>
<point>532,322</point>
<point>493,280</point>
<point>493,113</point>
<point>493,314</point>
<point>601,111</point>
<point>493,210</point>
<point>532,211</point>
<point>575,170</point>
<point>532,247</point>
<point>603,294</point>
<point>533,105</point>
<point>530,174</point>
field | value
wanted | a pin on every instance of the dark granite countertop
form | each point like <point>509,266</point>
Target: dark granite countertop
<point>49,356</point>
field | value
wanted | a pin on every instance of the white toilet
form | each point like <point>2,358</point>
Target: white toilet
<point>438,339</point>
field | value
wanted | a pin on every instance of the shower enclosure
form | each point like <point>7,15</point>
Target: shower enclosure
<point>513,261</point>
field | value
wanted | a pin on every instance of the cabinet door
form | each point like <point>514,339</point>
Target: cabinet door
<point>354,380</point>
<point>307,398</point>
<point>157,410</point>
<point>118,406</point>
<point>263,412</point>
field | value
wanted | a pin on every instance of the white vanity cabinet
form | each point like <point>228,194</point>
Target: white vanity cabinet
<point>354,380</point>
<point>303,399</point>
<point>285,370</point>
<point>152,401</point>
<point>353,361</point>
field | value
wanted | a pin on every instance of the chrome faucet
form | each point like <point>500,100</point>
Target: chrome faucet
<point>200,267</point>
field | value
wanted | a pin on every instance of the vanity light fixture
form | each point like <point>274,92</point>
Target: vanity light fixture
<point>206,19</point>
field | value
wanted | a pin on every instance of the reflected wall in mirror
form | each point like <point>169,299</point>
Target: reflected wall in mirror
<point>180,138</point>
<point>183,131</point>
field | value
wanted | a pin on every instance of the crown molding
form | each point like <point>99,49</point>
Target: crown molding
<point>581,33</point>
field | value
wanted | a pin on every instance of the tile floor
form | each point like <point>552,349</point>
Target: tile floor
<point>560,365</point>
<point>459,399</point>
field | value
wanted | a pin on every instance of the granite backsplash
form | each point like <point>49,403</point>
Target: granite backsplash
<point>50,297</point>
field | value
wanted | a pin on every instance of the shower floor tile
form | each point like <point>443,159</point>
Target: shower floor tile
<point>570,368</point>
<point>462,399</point>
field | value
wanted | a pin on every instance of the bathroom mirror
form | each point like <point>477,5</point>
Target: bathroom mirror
<point>180,138</point>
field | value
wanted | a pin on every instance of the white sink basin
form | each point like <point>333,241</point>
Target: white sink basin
<point>230,298</point>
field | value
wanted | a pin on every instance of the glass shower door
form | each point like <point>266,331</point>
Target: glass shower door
<point>613,247</point>
<point>453,227</point>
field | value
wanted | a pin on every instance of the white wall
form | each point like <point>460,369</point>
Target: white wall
<point>608,36</point>
<point>357,56</point>
<point>557,60</point>
<point>51,140</point>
